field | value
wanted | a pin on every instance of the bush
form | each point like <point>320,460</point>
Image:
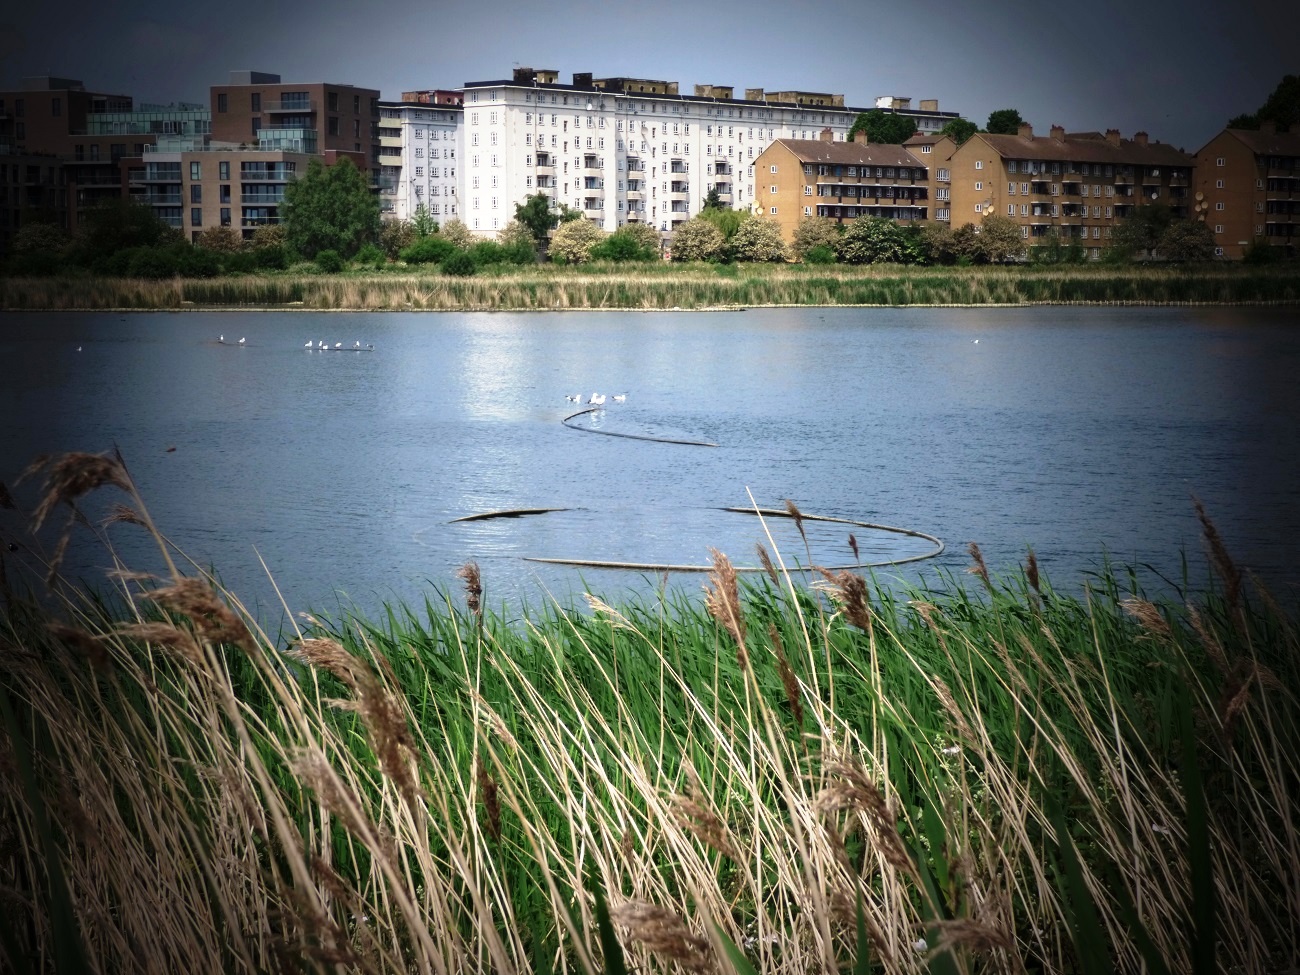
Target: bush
<point>757,239</point>
<point>371,256</point>
<point>46,238</point>
<point>486,252</point>
<point>821,254</point>
<point>697,240</point>
<point>329,261</point>
<point>223,239</point>
<point>814,232</point>
<point>428,250</point>
<point>34,264</point>
<point>457,234</point>
<point>241,262</point>
<point>152,262</point>
<point>573,241</point>
<point>271,258</point>
<point>623,246</point>
<point>1261,254</point>
<point>395,236</point>
<point>459,263</point>
<point>873,240</point>
<point>196,262</point>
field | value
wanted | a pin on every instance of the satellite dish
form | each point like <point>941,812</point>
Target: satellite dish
<point>1155,194</point>
<point>1200,195</point>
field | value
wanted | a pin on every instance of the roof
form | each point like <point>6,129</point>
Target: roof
<point>848,153</point>
<point>1089,147</point>
<point>1263,143</point>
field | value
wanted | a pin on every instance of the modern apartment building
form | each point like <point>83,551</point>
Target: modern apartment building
<point>1079,185</point>
<point>88,132</point>
<point>419,143</point>
<point>633,149</point>
<point>1248,189</point>
<point>839,181</point>
<point>30,183</point>
<point>257,109</point>
<point>194,187</point>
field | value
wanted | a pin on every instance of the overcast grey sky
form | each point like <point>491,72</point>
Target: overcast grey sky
<point>1175,70</point>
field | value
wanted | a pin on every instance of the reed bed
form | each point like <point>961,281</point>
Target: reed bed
<point>983,776</point>
<point>668,286</point>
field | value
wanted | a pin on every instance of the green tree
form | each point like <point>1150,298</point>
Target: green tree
<point>536,214</point>
<point>269,235</point>
<point>624,245</point>
<point>1282,107</point>
<point>573,241</point>
<point>645,235</point>
<point>1004,121</point>
<point>330,208</point>
<point>117,225</point>
<point>727,221</point>
<point>713,200</point>
<point>757,239</point>
<point>1187,240</point>
<point>813,232</point>
<point>422,222</point>
<point>40,238</point>
<point>514,233</point>
<point>959,130</point>
<point>697,239</point>
<point>999,240</point>
<point>873,240</point>
<point>1140,233</point>
<point>884,128</point>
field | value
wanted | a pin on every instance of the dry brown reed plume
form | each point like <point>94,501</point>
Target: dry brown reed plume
<point>851,789</point>
<point>793,510</point>
<point>473,587</point>
<point>789,682</point>
<point>665,934</point>
<point>979,568</point>
<point>693,812</point>
<point>766,562</point>
<point>722,599</point>
<point>489,797</point>
<point>853,545</point>
<point>1031,571</point>
<point>212,618</point>
<point>849,591</point>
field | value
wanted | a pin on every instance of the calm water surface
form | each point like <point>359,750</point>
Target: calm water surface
<point>1080,432</point>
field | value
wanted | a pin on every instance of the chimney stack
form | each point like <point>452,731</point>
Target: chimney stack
<point>1058,133</point>
<point>1026,130</point>
<point>1140,138</point>
<point>826,135</point>
<point>1112,136</point>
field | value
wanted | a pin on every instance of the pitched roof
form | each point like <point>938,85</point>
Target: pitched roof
<point>1269,143</point>
<point>1089,147</point>
<point>849,153</point>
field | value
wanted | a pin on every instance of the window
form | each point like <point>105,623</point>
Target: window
<point>807,191</point>
<point>334,123</point>
<point>255,101</point>
<point>222,102</point>
<point>1218,184</point>
<point>1218,206</point>
<point>223,170</point>
<point>1219,161</point>
<point>224,193</point>
<point>196,216</point>
<point>1218,228</point>
<point>979,186</point>
<point>807,211</point>
<point>334,102</point>
<point>1011,209</point>
<point>1011,189</point>
<point>774,169</point>
<point>979,164</point>
<point>196,171</point>
<point>225,216</point>
<point>1024,231</point>
<point>56,107</point>
<point>772,211</point>
<point>1024,209</point>
<point>977,208</point>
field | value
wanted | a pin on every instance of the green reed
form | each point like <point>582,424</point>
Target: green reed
<point>979,774</point>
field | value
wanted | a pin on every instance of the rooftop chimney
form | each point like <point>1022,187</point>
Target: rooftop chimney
<point>1140,138</point>
<point>826,135</point>
<point>1112,136</point>
<point>1026,130</point>
<point>1058,133</point>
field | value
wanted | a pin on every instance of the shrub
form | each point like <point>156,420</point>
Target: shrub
<point>223,239</point>
<point>458,263</point>
<point>873,240</point>
<point>241,262</point>
<point>573,241</point>
<point>152,262</point>
<point>197,262</point>
<point>821,254</point>
<point>1187,240</point>
<point>370,255</point>
<point>395,236</point>
<point>32,238</point>
<point>758,239</point>
<point>621,246</point>
<point>1259,253</point>
<point>329,261</point>
<point>697,240</point>
<point>486,252</point>
<point>34,264</point>
<point>428,250</point>
<point>516,232</point>
<point>814,232</point>
<point>457,234</point>
<point>271,258</point>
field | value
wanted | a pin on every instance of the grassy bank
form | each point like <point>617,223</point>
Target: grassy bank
<point>662,286</point>
<point>769,779</point>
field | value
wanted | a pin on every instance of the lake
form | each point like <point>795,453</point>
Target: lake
<point>1082,432</point>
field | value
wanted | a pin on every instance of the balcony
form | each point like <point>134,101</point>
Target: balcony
<point>1151,178</point>
<point>593,204</point>
<point>159,199</point>
<point>593,164</point>
<point>1123,179</point>
<point>546,182</point>
<point>634,194</point>
<point>722,169</point>
<point>635,165</point>
<point>297,106</point>
<point>678,188</point>
<point>593,183</point>
<point>1180,181</point>
<point>269,176</point>
<point>258,200</point>
<point>678,166</point>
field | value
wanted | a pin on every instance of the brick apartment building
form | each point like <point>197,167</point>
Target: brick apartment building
<point>1248,189</point>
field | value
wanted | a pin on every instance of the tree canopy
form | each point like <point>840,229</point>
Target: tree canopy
<point>330,208</point>
<point>884,128</point>
<point>1282,107</point>
<point>959,130</point>
<point>1004,121</point>
<point>536,214</point>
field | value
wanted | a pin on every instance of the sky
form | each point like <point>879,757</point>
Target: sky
<point>1176,70</point>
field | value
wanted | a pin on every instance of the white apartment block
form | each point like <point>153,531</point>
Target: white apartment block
<point>419,156</point>
<point>632,150</point>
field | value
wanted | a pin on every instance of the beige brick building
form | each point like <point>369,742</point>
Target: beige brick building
<point>1080,185</point>
<point>1248,189</point>
<point>840,181</point>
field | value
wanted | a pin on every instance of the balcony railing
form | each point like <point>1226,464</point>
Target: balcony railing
<point>305,105</point>
<point>253,199</point>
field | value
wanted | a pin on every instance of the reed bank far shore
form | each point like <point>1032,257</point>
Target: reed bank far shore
<point>666,287</point>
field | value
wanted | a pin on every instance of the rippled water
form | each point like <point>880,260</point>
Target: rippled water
<point>1082,432</point>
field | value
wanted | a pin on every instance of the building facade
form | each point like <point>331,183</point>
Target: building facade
<point>1079,186</point>
<point>624,150</point>
<point>839,181</point>
<point>419,153</point>
<point>1248,189</point>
